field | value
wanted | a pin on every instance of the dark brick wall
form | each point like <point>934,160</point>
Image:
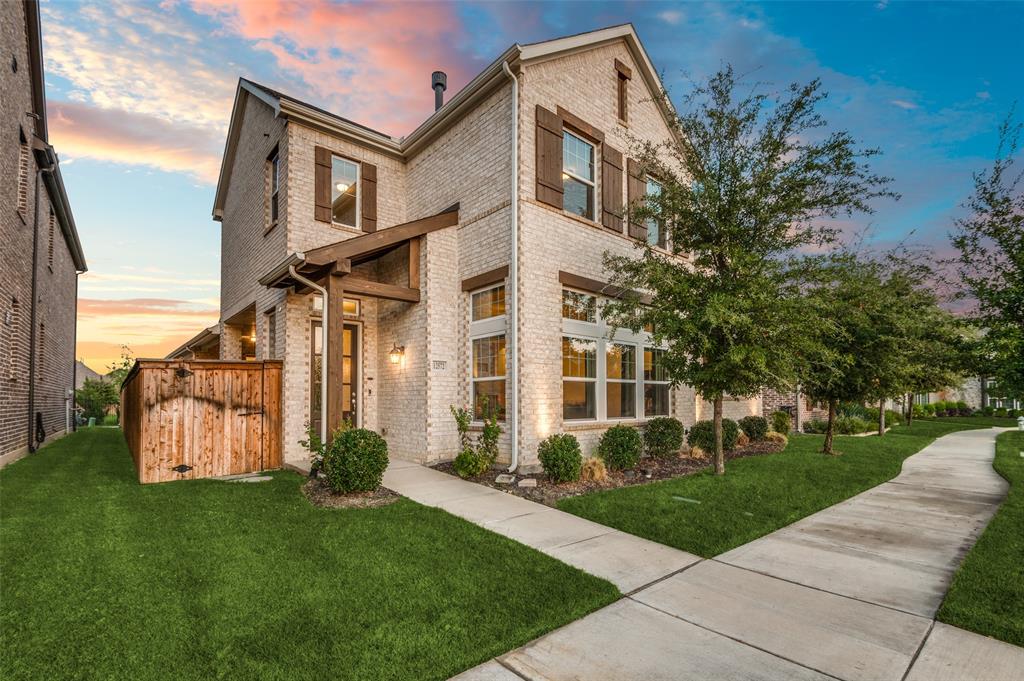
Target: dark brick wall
<point>56,292</point>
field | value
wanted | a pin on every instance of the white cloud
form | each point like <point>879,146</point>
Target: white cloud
<point>671,16</point>
<point>903,104</point>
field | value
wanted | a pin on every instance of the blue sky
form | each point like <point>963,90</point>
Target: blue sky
<point>140,93</point>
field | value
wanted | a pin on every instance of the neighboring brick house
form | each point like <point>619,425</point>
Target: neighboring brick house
<point>800,407</point>
<point>40,256</point>
<point>443,285</point>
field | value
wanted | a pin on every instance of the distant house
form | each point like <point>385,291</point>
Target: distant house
<point>459,265</point>
<point>40,255</point>
<point>83,372</point>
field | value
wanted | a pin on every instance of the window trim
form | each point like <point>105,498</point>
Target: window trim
<point>489,327</point>
<point>566,174</point>
<point>485,289</point>
<point>600,332</point>
<point>596,380</point>
<point>359,193</point>
<point>275,187</point>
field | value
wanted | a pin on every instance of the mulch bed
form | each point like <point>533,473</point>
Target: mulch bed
<point>320,494</point>
<point>648,470</point>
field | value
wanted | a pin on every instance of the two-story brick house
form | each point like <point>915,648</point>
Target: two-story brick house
<point>40,255</point>
<point>460,265</point>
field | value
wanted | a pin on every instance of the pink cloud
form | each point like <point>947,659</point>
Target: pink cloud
<point>367,61</point>
<point>81,130</point>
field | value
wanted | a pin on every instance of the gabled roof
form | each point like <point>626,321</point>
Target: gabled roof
<point>464,100</point>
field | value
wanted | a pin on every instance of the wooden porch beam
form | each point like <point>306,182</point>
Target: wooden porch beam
<point>333,353</point>
<point>376,289</point>
<point>414,263</point>
<point>367,244</point>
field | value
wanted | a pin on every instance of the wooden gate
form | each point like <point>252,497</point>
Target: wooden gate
<point>188,419</point>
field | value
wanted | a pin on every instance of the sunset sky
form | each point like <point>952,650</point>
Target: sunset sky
<point>139,96</point>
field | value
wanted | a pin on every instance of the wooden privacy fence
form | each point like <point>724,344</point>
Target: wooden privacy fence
<point>188,419</point>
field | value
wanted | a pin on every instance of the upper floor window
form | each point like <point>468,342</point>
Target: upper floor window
<point>344,192</point>
<point>275,186</point>
<point>623,97</point>
<point>577,175</point>
<point>655,230</point>
<point>581,307</point>
<point>489,303</point>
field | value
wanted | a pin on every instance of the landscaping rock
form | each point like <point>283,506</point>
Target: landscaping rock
<point>528,482</point>
<point>505,479</point>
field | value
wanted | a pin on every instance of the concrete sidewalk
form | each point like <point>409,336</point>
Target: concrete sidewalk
<point>847,593</point>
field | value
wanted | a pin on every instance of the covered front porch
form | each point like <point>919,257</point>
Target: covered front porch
<point>366,292</point>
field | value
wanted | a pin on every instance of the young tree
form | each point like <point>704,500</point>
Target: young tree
<point>990,241</point>
<point>118,371</point>
<point>95,396</point>
<point>747,181</point>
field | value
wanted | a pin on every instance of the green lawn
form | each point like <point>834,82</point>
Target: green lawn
<point>987,593</point>
<point>105,579</point>
<point>979,421</point>
<point>758,494</point>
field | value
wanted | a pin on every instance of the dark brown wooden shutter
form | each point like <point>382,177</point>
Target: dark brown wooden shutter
<point>549,157</point>
<point>636,189</point>
<point>368,187</point>
<point>611,188</point>
<point>322,185</point>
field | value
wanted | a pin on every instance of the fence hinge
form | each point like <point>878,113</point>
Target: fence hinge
<point>182,468</point>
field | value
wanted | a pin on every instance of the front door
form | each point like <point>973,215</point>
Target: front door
<point>349,375</point>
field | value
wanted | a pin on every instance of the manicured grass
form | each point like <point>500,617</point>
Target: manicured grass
<point>979,421</point>
<point>105,579</point>
<point>987,593</point>
<point>758,494</point>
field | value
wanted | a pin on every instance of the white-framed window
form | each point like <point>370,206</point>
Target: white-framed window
<point>351,307</point>
<point>275,186</point>
<point>655,230</point>
<point>488,352</point>
<point>620,381</point>
<point>578,175</point>
<point>344,192</point>
<point>656,383</point>
<point>487,303</point>
<point>608,374</point>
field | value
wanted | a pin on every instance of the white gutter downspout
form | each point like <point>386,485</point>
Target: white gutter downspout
<point>323,349</point>
<point>514,267</point>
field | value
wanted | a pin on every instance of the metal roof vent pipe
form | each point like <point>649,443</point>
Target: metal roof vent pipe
<point>438,81</point>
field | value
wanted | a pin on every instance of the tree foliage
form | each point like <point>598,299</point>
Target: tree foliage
<point>95,396</point>
<point>990,241</point>
<point>748,180</point>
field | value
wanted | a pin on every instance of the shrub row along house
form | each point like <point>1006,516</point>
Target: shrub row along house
<point>40,256</point>
<point>460,265</point>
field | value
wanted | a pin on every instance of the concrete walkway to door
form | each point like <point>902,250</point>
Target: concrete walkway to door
<point>847,593</point>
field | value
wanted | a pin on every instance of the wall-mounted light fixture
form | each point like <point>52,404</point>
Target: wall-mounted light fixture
<point>396,354</point>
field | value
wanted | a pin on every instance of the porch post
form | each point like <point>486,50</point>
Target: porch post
<point>334,350</point>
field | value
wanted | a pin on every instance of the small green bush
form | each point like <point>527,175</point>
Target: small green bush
<point>702,435</point>
<point>620,447</point>
<point>470,462</point>
<point>1001,412</point>
<point>782,422</point>
<point>816,426</point>
<point>929,409</point>
<point>475,459</point>
<point>355,461</point>
<point>754,426</point>
<point>663,437</point>
<point>560,457</point>
<point>1013,413</point>
<point>852,425</point>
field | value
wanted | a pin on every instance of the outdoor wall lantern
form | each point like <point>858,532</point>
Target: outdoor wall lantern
<point>396,354</point>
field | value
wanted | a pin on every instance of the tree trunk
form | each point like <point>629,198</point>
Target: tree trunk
<point>910,408</point>
<point>719,449</point>
<point>881,417</point>
<point>830,430</point>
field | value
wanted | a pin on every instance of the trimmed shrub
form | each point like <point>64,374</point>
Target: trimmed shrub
<point>1001,412</point>
<point>620,447</point>
<point>929,409</point>
<point>987,411</point>
<point>852,425</point>
<point>918,411</point>
<point>817,426</point>
<point>355,461</point>
<point>779,438</point>
<point>663,437</point>
<point>702,435</point>
<point>560,457</point>
<point>754,426</point>
<point>594,470</point>
<point>782,422</point>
